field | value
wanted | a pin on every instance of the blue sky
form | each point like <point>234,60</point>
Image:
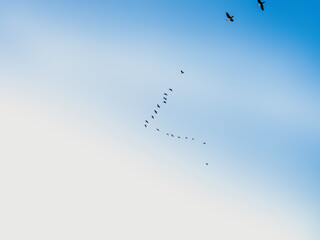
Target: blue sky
<point>250,89</point>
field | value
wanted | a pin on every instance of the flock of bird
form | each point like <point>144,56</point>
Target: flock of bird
<point>165,95</point>
<point>261,5</point>
<point>155,114</point>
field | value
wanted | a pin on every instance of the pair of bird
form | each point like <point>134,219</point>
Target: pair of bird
<point>230,18</point>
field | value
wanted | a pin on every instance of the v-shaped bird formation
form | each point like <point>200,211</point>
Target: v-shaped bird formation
<point>158,107</point>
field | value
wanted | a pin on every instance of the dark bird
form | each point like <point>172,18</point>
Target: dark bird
<point>158,105</point>
<point>229,17</point>
<point>164,102</point>
<point>167,134</point>
<point>172,135</point>
<point>204,142</point>
<point>152,117</point>
<point>145,125</point>
<point>170,89</point>
<point>207,164</point>
<point>182,72</point>
<point>147,121</point>
<point>179,137</point>
<point>158,129</point>
<point>261,5</point>
<point>186,137</point>
<point>192,139</point>
<point>155,111</point>
<point>165,98</point>
<point>165,94</point>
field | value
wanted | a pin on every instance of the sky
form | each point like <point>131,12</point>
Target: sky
<point>78,79</point>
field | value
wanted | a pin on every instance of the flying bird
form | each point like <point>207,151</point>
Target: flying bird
<point>186,137</point>
<point>204,142</point>
<point>155,111</point>
<point>164,102</point>
<point>182,72</point>
<point>147,121</point>
<point>158,129</point>
<point>207,164</point>
<point>229,17</point>
<point>165,94</point>
<point>170,89</point>
<point>179,137</point>
<point>152,117</point>
<point>145,125</point>
<point>172,135</point>
<point>158,105</point>
<point>261,5</point>
<point>192,139</point>
<point>167,134</point>
<point>165,98</point>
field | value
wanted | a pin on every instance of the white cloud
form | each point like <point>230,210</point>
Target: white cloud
<point>60,182</point>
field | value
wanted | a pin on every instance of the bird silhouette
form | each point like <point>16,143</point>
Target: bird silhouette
<point>158,129</point>
<point>165,94</point>
<point>158,105</point>
<point>152,117</point>
<point>179,137</point>
<point>229,17</point>
<point>165,98</point>
<point>204,142</point>
<point>170,89</point>
<point>172,135</point>
<point>186,137</point>
<point>167,134</point>
<point>145,125</point>
<point>192,139</point>
<point>164,102</point>
<point>155,111</point>
<point>182,72</point>
<point>147,121</point>
<point>261,5</point>
<point>207,164</point>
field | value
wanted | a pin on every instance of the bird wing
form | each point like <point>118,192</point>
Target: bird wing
<point>231,20</point>
<point>262,7</point>
<point>259,1</point>
<point>228,15</point>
